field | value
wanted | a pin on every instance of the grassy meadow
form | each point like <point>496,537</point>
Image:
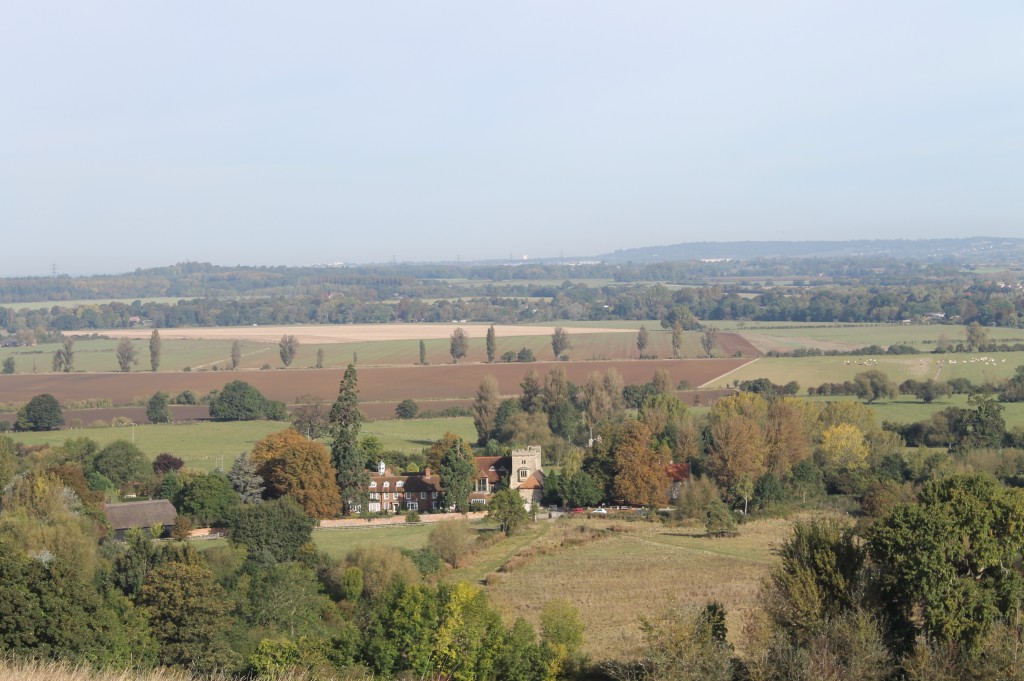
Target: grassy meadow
<point>637,570</point>
<point>203,444</point>
<point>813,371</point>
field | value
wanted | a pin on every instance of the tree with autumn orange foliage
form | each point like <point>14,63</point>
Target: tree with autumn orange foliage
<point>292,465</point>
<point>640,476</point>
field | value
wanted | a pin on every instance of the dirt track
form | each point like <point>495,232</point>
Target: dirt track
<point>344,333</point>
<point>376,384</point>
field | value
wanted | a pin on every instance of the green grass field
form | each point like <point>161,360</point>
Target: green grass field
<point>414,434</point>
<point>923,336</point>
<point>813,371</point>
<point>202,445</point>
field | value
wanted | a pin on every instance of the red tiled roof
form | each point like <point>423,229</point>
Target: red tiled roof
<point>535,481</point>
<point>677,472</point>
<point>501,465</point>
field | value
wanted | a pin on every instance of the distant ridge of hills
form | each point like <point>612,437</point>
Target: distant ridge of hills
<point>972,248</point>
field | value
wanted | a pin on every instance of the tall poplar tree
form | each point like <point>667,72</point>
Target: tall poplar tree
<point>155,346</point>
<point>485,409</point>
<point>236,354</point>
<point>346,420</point>
<point>491,344</point>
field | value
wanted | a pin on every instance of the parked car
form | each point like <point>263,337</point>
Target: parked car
<point>578,511</point>
<point>599,511</point>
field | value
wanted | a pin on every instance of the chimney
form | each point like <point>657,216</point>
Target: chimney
<point>426,472</point>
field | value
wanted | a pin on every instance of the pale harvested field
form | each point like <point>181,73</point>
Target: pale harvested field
<point>344,333</point>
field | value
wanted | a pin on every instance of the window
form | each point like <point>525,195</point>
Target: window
<point>373,484</point>
<point>423,495</point>
<point>433,495</point>
<point>408,495</point>
<point>386,484</point>
<point>400,483</point>
<point>523,474</point>
<point>374,507</point>
<point>481,485</point>
<point>413,506</point>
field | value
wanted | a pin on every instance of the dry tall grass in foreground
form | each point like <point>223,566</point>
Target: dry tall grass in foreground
<point>23,670</point>
<point>626,575</point>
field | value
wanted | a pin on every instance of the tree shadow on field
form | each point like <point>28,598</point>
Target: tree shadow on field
<point>425,443</point>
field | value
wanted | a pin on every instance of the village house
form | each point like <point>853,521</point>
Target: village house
<point>392,492</point>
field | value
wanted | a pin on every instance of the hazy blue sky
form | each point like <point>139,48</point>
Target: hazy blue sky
<point>142,133</point>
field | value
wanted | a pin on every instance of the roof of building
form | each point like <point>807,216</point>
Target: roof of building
<point>677,472</point>
<point>411,482</point>
<point>535,481</point>
<point>140,514</point>
<point>494,468</point>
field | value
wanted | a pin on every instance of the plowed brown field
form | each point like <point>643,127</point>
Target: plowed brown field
<point>376,384</point>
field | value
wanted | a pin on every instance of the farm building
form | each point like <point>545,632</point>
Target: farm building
<point>141,514</point>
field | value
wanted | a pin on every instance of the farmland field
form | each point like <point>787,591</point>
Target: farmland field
<point>785,336</point>
<point>376,384</point>
<point>202,445</point>
<point>204,353</point>
<point>813,371</point>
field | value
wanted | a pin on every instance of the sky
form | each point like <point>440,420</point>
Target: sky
<point>139,134</point>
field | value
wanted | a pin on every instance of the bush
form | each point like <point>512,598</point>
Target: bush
<point>694,497</point>
<point>720,520</point>
<point>452,540</point>
<point>407,409</point>
<point>425,560</point>
<point>412,517</point>
<point>239,401</point>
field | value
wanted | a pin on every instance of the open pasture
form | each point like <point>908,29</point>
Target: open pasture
<point>637,572</point>
<point>906,409</point>
<point>201,444</point>
<point>813,371</point>
<point>787,336</point>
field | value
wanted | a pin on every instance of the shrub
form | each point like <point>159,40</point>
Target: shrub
<point>720,520</point>
<point>452,540</point>
<point>407,409</point>
<point>694,497</point>
<point>412,517</point>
